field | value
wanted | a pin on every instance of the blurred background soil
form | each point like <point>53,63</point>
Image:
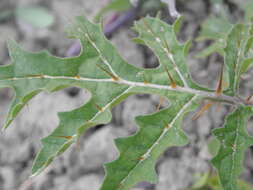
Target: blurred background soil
<point>82,169</point>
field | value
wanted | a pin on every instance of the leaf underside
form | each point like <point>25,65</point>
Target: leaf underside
<point>101,70</point>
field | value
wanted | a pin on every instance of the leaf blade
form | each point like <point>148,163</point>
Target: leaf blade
<point>234,141</point>
<point>142,150</point>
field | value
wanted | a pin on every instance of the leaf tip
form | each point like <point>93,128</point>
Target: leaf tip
<point>177,24</point>
<point>6,124</point>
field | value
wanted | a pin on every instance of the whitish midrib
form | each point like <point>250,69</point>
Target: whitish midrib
<point>156,143</point>
<point>133,84</point>
<point>74,136</point>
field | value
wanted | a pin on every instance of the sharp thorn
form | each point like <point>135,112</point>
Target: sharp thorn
<point>65,137</point>
<point>172,81</point>
<point>220,83</point>
<point>161,101</point>
<point>202,110</point>
<point>108,72</point>
<point>77,77</point>
<point>99,108</point>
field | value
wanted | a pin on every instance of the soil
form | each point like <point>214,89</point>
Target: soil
<point>83,168</point>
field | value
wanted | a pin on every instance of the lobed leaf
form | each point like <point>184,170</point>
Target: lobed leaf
<point>138,153</point>
<point>238,54</point>
<point>247,7</point>
<point>31,73</point>
<point>99,69</point>
<point>234,140</point>
<point>162,39</point>
<point>215,28</point>
<point>234,42</point>
<point>215,47</point>
<point>110,79</point>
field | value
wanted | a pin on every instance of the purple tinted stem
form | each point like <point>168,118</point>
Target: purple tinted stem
<point>119,22</point>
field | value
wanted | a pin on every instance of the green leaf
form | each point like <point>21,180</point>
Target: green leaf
<point>213,146</point>
<point>99,69</point>
<point>216,47</point>
<point>110,79</point>
<point>234,141</point>
<point>248,6</point>
<point>36,16</point>
<point>239,42</point>
<point>232,56</point>
<point>139,153</point>
<point>247,62</point>
<point>161,38</point>
<point>246,65</point>
<point>214,28</point>
<point>249,45</point>
<point>31,73</point>
<point>234,42</point>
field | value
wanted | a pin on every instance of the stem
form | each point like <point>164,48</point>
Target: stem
<point>208,95</point>
<point>204,94</point>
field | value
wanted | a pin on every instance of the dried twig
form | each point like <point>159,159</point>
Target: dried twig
<point>172,8</point>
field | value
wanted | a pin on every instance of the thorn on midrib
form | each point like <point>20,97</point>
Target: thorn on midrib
<point>108,72</point>
<point>172,81</point>
<point>65,137</point>
<point>161,101</point>
<point>202,110</point>
<point>99,107</point>
<point>219,86</point>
